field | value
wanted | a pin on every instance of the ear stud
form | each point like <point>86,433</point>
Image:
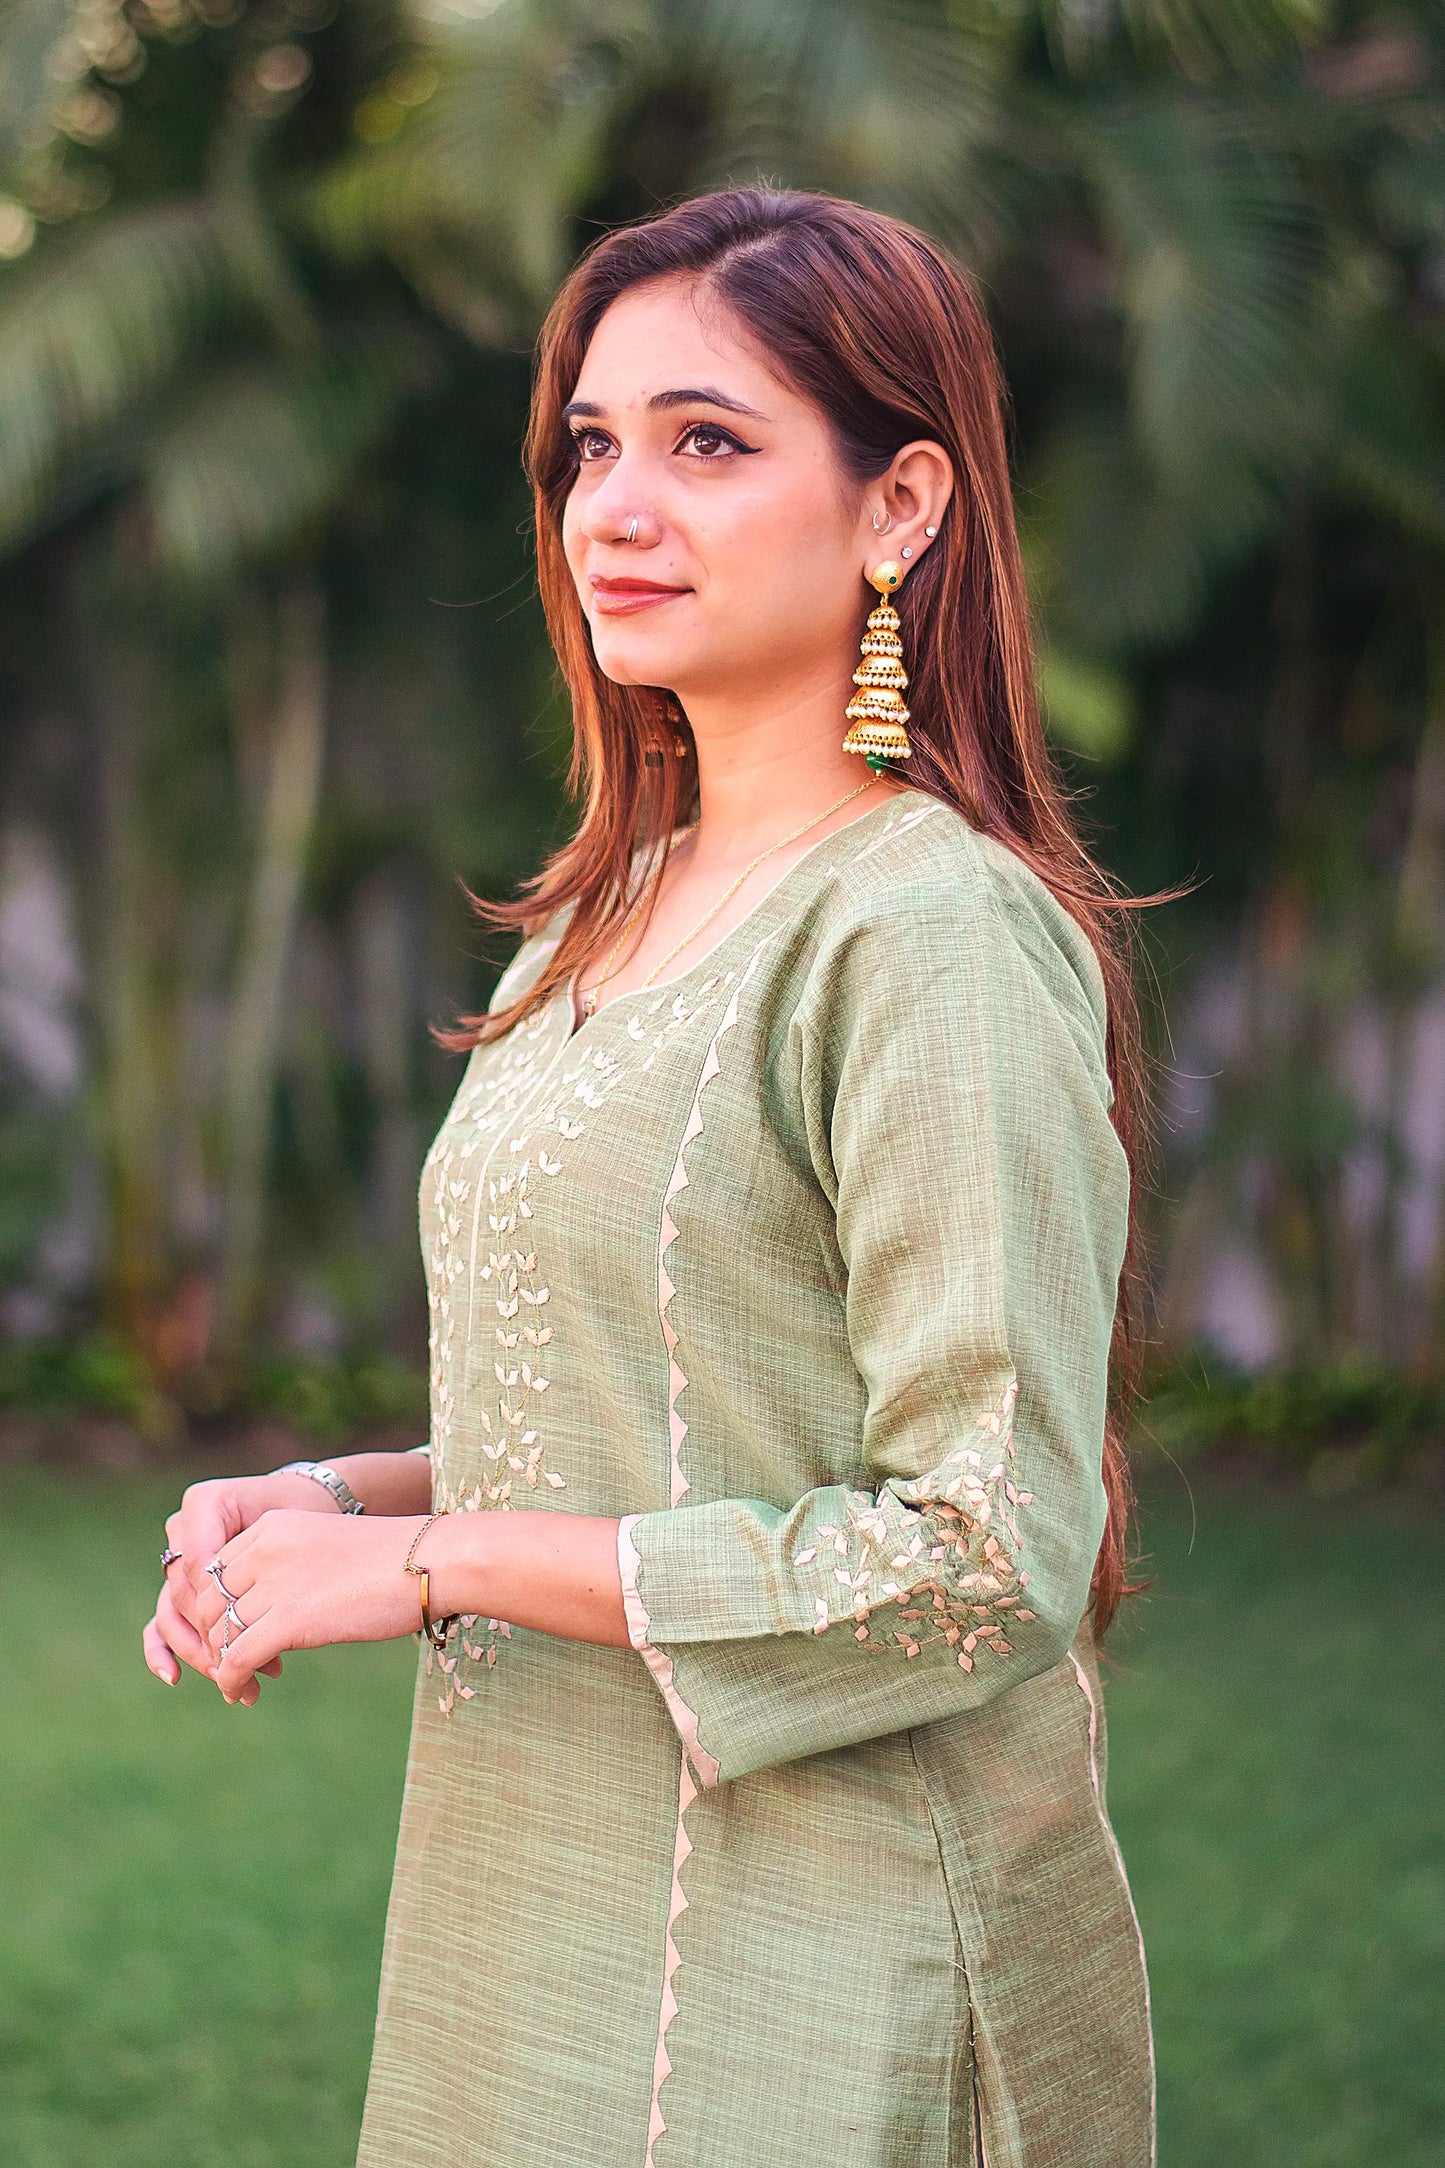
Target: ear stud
<point>930,532</point>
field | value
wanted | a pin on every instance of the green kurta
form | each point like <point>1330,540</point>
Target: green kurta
<point>802,1265</point>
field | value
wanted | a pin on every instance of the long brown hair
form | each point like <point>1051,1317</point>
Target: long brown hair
<point>873,322</point>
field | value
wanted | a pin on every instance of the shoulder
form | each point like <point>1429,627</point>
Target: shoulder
<point>930,897</point>
<point>543,941</point>
<point>529,961</point>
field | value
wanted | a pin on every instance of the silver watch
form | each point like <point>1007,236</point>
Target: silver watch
<point>321,1472</point>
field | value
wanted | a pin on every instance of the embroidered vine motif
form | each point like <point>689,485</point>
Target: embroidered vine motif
<point>961,1519</point>
<point>511,1445</point>
<point>480,1109</point>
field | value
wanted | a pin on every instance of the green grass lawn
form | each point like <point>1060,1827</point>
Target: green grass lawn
<point>1277,1781</point>
<point>191,1896</point>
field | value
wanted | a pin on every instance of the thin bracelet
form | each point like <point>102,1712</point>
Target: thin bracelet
<point>435,1630</point>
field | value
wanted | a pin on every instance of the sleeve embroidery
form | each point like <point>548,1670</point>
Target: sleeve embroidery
<point>944,1547</point>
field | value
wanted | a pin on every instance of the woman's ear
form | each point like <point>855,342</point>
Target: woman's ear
<point>913,496</point>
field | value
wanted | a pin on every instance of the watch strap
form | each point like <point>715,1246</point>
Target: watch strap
<point>329,1478</point>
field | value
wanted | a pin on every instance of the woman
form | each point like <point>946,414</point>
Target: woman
<point>754,1812</point>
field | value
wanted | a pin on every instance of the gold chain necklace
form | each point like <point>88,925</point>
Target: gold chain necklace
<point>589,999</point>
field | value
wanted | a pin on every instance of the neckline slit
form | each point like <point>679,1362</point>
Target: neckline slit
<point>568,994</point>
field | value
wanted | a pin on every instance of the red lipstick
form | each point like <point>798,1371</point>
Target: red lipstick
<point>623,598</point>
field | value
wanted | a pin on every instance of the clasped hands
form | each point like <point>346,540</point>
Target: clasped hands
<point>300,1575</point>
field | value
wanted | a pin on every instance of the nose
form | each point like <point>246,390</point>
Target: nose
<point>618,512</point>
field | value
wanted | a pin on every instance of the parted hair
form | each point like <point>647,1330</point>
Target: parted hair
<point>874,322</point>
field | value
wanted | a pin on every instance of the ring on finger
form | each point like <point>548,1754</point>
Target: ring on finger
<point>214,1570</point>
<point>168,1558</point>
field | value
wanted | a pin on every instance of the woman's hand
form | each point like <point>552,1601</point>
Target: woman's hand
<point>208,1516</point>
<point>298,1583</point>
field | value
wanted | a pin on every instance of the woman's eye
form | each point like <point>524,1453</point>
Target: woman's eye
<point>711,442</point>
<point>705,440</point>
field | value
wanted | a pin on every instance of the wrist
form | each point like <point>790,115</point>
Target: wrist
<point>287,1487</point>
<point>327,1478</point>
<point>457,1551</point>
<point>390,1484</point>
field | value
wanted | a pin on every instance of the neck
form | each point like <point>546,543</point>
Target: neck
<point>767,760</point>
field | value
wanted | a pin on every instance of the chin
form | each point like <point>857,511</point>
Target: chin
<point>636,662</point>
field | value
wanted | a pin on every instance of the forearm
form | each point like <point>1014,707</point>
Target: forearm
<point>388,1482</point>
<point>554,1572</point>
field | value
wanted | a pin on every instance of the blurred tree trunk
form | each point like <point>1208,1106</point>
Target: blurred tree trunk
<point>1278,950</point>
<point>290,787</point>
<point>1422,930</point>
<point>1192,1234</point>
<point>382,954</point>
<point>137,1265</point>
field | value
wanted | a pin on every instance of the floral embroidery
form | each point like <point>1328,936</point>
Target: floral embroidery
<point>511,1446</point>
<point>463,1188</point>
<point>944,1548</point>
<point>481,1107</point>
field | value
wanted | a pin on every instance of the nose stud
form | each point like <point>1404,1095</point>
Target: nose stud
<point>632,532</point>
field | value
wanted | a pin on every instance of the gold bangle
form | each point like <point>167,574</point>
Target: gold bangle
<point>435,1630</point>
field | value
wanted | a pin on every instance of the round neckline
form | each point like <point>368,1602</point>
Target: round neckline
<point>568,994</point>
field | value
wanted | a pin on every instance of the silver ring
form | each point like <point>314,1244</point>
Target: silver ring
<point>168,1558</point>
<point>234,1617</point>
<point>214,1570</point>
<point>632,532</point>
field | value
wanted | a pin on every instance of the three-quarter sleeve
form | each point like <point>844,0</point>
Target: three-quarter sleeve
<point>947,1053</point>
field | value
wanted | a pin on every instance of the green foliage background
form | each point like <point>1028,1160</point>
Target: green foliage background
<point>273,679</point>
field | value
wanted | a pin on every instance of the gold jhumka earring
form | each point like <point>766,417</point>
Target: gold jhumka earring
<point>876,712</point>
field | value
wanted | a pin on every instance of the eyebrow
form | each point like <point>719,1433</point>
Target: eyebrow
<point>663,402</point>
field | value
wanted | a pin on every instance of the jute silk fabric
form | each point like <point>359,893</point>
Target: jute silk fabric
<point>802,1266</point>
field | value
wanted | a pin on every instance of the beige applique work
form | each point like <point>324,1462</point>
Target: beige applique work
<point>943,1548</point>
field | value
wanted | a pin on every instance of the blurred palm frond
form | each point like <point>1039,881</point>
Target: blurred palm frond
<point>263,450</point>
<point>1221,256</point>
<point>91,332</point>
<point>31,34</point>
